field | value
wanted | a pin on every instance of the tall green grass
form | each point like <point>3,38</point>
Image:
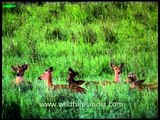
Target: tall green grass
<point>86,36</point>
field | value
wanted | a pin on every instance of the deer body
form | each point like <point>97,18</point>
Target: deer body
<point>48,77</point>
<point>135,83</point>
<point>144,86</point>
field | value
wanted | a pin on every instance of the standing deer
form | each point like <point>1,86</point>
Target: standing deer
<point>47,75</point>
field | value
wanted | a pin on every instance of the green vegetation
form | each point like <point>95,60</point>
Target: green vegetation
<point>85,36</point>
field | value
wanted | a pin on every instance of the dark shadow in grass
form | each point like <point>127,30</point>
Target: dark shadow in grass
<point>11,111</point>
<point>55,34</point>
<point>89,36</point>
<point>110,36</point>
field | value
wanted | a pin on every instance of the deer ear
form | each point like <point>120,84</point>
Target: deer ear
<point>112,65</point>
<point>122,65</point>
<point>25,66</point>
<point>13,68</point>
<point>140,81</point>
<point>70,69</point>
<point>51,68</point>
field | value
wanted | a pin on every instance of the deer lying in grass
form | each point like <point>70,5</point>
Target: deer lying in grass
<point>47,75</point>
<point>71,76</point>
<point>117,70</point>
<point>135,83</point>
<point>20,70</point>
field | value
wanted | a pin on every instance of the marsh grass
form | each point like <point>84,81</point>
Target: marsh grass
<point>85,36</point>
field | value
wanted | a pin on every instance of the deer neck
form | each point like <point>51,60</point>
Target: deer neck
<point>117,77</point>
<point>70,79</point>
<point>19,79</point>
<point>49,81</point>
<point>133,85</point>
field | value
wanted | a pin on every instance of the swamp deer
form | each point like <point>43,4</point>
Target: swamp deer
<point>71,75</point>
<point>20,70</point>
<point>47,75</point>
<point>135,83</point>
<point>117,70</point>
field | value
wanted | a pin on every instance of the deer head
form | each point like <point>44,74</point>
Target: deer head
<point>71,74</point>
<point>47,75</point>
<point>132,77</point>
<point>117,71</point>
<point>20,69</point>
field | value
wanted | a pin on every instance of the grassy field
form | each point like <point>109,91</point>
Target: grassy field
<point>86,36</point>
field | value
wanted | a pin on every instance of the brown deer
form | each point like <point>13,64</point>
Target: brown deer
<point>117,70</point>
<point>71,75</point>
<point>135,83</point>
<point>20,70</point>
<point>47,75</point>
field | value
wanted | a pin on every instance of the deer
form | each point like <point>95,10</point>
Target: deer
<point>135,83</point>
<point>117,70</point>
<point>47,76</point>
<point>71,75</point>
<point>20,70</point>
